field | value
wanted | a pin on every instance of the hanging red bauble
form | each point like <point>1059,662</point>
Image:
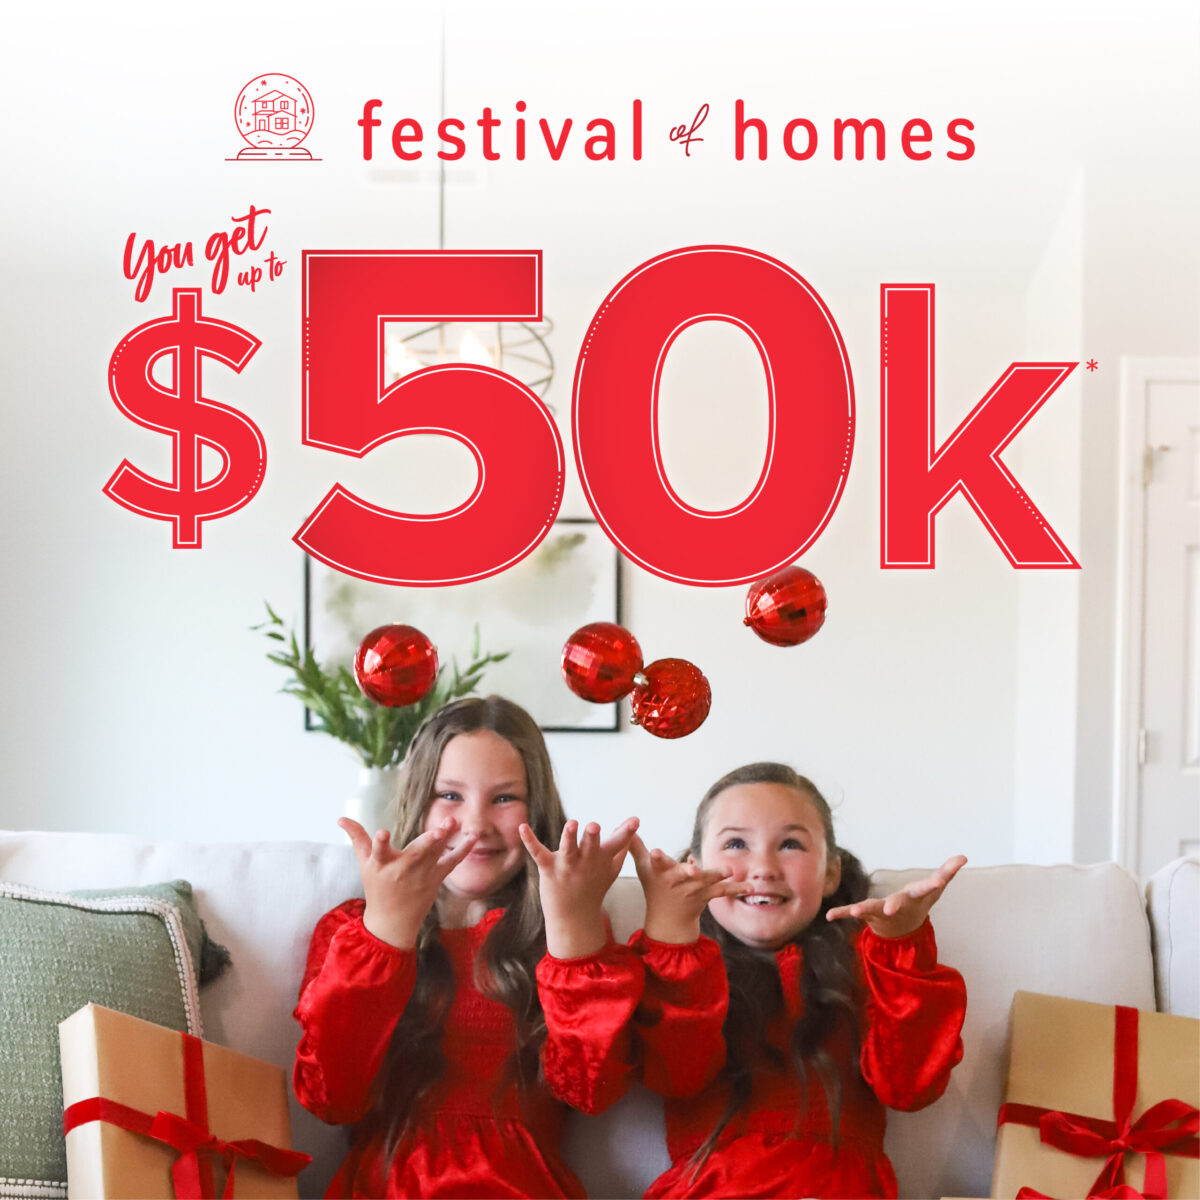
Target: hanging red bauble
<point>599,662</point>
<point>786,608</point>
<point>671,698</point>
<point>395,665</point>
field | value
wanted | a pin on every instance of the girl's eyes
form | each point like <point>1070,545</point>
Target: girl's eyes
<point>503,798</point>
<point>737,843</point>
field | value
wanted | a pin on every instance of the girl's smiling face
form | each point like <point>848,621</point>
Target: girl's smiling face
<point>772,837</point>
<point>481,783</point>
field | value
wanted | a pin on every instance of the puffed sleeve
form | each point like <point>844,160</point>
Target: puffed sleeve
<point>589,1004</point>
<point>354,990</point>
<point>914,1015</point>
<point>681,1015</point>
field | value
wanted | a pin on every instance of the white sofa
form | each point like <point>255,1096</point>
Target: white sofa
<point>1083,932</point>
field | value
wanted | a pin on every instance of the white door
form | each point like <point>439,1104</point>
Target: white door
<point>1166,732</point>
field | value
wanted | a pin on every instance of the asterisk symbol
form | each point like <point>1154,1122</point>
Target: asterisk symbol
<point>1092,364</point>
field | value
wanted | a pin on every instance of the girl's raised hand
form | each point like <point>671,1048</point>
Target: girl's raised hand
<point>573,881</point>
<point>401,886</point>
<point>677,893</point>
<point>902,912</point>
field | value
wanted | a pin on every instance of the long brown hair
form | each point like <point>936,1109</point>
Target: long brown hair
<point>505,967</point>
<point>829,989</point>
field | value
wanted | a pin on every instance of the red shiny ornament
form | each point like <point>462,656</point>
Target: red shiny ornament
<point>786,608</point>
<point>599,662</point>
<point>395,665</point>
<point>671,698</point>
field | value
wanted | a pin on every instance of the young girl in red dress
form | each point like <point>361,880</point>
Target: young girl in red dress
<point>780,1036</point>
<point>423,1020</point>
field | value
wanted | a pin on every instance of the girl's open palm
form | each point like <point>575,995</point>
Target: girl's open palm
<point>902,912</point>
<point>401,885</point>
<point>677,893</point>
<point>573,881</point>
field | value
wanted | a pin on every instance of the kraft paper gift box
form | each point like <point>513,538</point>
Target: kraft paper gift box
<point>151,1112</point>
<point>1097,1098</point>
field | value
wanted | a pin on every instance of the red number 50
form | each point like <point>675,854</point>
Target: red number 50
<point>347,408</point>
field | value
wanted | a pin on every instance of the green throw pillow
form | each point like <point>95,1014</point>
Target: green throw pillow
<point>138,950</point>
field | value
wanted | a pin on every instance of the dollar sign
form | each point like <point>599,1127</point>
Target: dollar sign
<point>193,422</point>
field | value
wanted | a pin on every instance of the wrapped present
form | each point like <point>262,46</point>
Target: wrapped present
<point>150,1112</point>
<point>1100,1102</point>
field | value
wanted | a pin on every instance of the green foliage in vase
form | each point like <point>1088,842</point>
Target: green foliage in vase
<point>377,734</point>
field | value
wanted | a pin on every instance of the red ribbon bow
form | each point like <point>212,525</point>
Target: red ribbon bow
<point>1168,1127</point>
<point>197,1145</point>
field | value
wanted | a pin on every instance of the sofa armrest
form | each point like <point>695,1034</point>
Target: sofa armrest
<point>1173,905</point>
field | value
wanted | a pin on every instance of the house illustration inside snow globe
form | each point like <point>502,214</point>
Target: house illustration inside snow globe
<point>274,114</point>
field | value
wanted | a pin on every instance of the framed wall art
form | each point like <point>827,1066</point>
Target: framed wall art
<point>528,611</point>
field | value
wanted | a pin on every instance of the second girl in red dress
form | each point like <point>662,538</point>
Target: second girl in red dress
<point>780,1037</point>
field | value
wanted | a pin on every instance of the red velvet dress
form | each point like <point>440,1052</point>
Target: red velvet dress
<point>780,1143</point>
<point>470,1140</point>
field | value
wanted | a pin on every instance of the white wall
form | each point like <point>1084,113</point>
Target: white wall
<point>1048,601</point>
<point>137,698</point>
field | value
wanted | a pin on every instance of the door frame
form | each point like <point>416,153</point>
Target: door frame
<point>1136,375</point>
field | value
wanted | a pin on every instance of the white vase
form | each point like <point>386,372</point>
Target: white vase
<point>372,805</point>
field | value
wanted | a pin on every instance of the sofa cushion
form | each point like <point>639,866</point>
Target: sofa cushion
<point>1173,902</point>
<point>132,949</point>
<point>1074,931</point>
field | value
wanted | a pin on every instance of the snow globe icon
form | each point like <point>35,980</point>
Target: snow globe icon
<point>274,114</point>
